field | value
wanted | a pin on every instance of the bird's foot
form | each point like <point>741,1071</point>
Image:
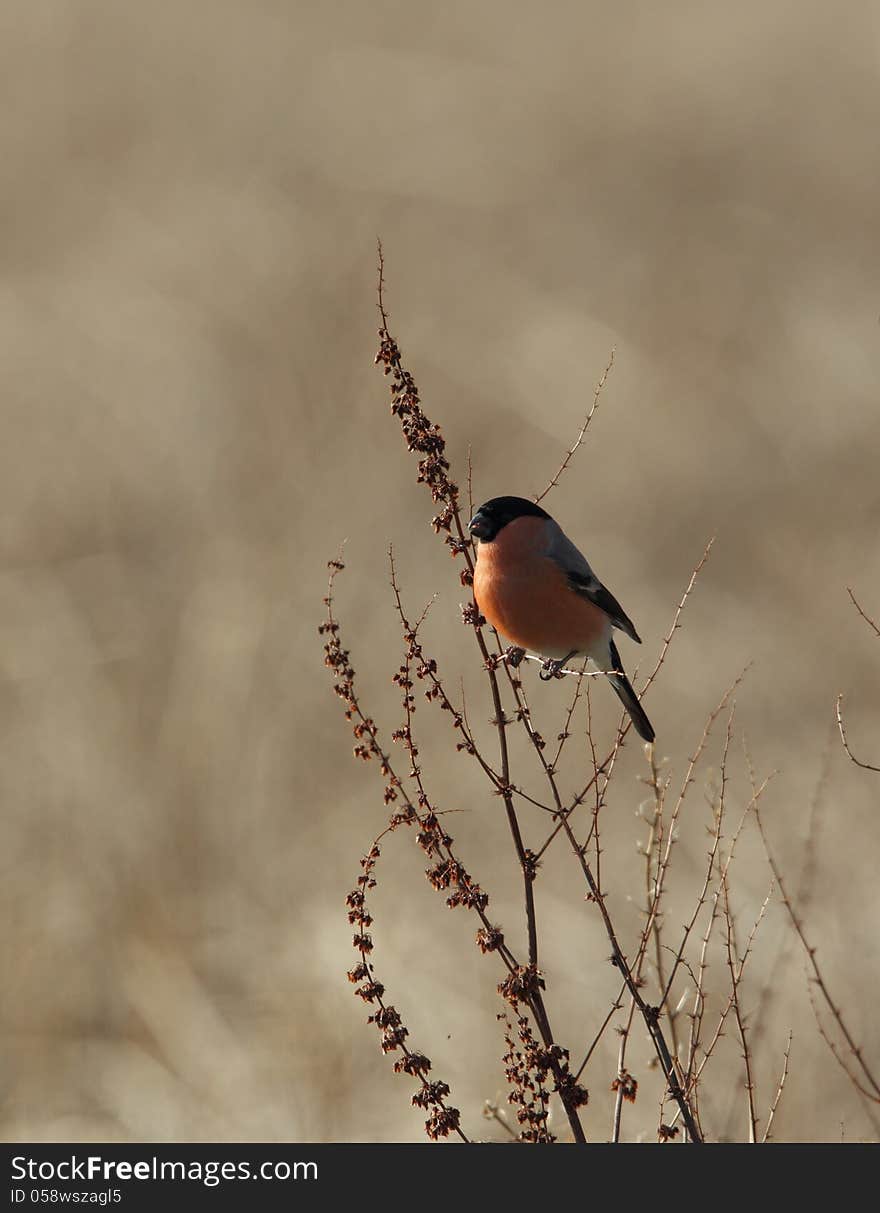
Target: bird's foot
<point>514,656</point>
<point>554,669</point>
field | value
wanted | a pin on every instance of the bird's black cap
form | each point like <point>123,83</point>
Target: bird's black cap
<point>493,515</point>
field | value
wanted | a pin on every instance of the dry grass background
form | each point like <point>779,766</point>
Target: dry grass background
<point>190,197</point>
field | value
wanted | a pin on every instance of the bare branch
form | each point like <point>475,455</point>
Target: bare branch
<point>867,618</point>
<point>693,1075</point>
<point>589,417</point>
<point>615,1007</point>
<point>663,864</point>
<point>676,619</point>
<point>738,1012</point>
<point>778,1095</point>
<point>866,766</point>
<point>868,1086</point>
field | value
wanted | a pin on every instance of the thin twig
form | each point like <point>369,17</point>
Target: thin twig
<point>624,1086</point>
<point>866,766</point>
<point>804,887</point>
<point>869,1085</point>
<point>470,483</point>
<point>663,865</point>
<point>566,728</point>
<point>589,417</point>
<point>615,1007</point>
<point>841,1060</point>
<point>694,1074</point>
<point>867,618</point>
<point>778,1095</point>
<point>738,1013</point>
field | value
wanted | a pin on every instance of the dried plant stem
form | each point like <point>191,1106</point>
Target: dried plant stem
<point>565,732</point>
<point>862,1077</point>
<point>714,860</point>
<point>432,1094</point>
<point>614,1008</point>
<point>649,1014</point>
<point>866,766</point>
<point>676,619</point>
<point>805,884</point>
<point>624,1086</point>
<point>529,869</point>
<point>652,846</point>
<point>425,437</point>
<point>735,976</point>
<point>867,618</point>
<point>779,1088</point>
<point>583,430</point>
<point>533,997</point>
<point>663,862</point>
<point>653,890</point>
<point>694,1072</point>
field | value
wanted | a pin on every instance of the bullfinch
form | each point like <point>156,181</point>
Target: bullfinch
<point>536,588</point>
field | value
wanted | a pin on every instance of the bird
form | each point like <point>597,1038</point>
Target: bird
<point>534,587</point>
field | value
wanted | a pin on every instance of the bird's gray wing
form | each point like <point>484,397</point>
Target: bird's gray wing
<point>584,581</point>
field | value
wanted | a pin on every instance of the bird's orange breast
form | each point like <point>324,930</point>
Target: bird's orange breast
<point>526,596</point>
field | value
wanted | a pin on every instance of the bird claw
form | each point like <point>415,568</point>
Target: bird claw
<point>550,669</point>
<point>515,656</point>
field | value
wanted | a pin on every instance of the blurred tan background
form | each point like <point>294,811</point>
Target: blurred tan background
<point>191,424</point>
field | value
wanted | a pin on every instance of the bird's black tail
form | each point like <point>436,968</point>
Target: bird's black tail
<point>627,696</point>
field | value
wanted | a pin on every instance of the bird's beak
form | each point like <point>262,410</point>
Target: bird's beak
<point>479,526</point>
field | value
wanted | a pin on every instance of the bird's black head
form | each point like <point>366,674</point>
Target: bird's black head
<point>491,517</point>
